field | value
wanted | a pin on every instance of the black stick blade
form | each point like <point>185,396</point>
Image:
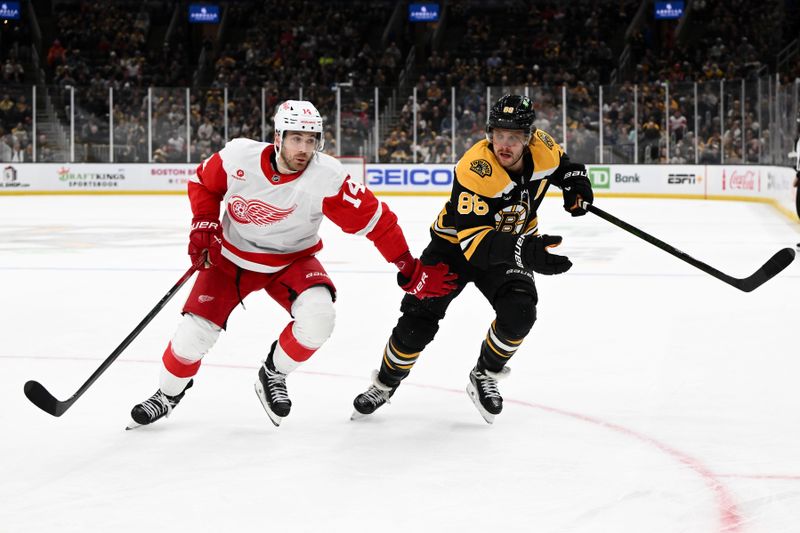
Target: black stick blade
<point>778,262</point>
<point>42,399</point>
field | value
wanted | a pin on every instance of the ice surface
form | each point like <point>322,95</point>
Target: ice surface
<point>649,397</point>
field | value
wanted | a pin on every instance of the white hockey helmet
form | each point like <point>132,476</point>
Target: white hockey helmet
<point>298,115</point>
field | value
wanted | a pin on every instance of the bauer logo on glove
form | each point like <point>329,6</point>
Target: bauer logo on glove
<point>576,189</point>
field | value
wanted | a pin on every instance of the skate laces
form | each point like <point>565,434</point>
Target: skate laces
<point>376,395</point>
<point>488,383</point>
<point>276,382</point>
<point>157,405</point>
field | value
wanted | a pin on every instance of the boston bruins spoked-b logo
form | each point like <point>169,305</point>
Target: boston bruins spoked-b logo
<point>514,218</point>
<point>481,167</point>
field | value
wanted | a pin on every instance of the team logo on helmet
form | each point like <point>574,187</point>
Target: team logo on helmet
<point>481,167</point>
<point>256,212</point>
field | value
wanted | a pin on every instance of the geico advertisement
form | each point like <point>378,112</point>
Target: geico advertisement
<point>410,178</point>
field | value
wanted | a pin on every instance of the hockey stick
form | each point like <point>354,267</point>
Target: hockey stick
<point>45,401</point>
<point>768,270</point>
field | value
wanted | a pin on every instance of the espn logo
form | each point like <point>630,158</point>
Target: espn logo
<point>683,179</point>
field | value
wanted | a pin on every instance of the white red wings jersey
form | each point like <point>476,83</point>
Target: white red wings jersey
<point>271,219</point>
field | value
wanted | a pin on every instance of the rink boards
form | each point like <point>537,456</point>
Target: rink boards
<point>763,183</point>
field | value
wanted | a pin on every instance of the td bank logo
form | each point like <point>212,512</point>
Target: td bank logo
<point>600,177</point>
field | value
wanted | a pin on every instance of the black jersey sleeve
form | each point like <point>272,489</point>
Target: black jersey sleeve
<point>565,166</point>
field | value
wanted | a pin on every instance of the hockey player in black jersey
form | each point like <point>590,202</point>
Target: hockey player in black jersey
<point>487,233</point>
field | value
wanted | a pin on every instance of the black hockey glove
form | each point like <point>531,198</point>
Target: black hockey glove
<point>576,187</point>
<point>532,252</point>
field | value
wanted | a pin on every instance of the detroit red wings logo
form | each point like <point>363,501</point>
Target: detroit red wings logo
<point>256,212</point>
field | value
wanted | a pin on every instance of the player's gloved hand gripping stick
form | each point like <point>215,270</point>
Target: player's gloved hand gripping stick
<point>45,401</point>
<point>768,270</point>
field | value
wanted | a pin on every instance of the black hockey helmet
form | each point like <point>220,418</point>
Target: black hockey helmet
<point>512,112</point>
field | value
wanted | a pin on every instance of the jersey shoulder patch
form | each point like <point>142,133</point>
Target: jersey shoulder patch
<point>546,154</point>
<point>479,171</point>
<point>546,139</point>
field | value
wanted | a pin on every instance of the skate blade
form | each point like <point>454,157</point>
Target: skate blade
<point>357,416</point>
<point>473,395</point>
<point>262,397</point>
<point>132,425</point>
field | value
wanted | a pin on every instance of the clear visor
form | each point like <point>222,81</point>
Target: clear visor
<point>502,137</point>
<point>297,140</point>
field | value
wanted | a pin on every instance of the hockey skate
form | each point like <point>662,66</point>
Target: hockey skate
<point>271,390</point>
<point>376,395</point>
<point>155,407</point>
<point>482,390</point>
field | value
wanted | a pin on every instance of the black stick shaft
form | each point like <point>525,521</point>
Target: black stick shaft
<point>37,394</point>
<point>655,242</point>
<point>767,271</point>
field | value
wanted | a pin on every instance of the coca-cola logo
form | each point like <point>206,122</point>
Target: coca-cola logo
<point>742,180</point>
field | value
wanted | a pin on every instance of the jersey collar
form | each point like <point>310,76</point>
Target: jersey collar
<point>269,168</point>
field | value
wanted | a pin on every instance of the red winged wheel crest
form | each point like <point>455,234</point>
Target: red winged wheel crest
<point>256,212</point>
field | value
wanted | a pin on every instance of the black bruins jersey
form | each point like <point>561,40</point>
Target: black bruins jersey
<point>488,208</point>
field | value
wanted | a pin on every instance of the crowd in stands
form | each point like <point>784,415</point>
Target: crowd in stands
<point>568,44</point>
<point>549,45</point>
<point>335,44</point>
<point>15,127</point>
<point>724,49</point>
<point>15,112</point>
<point>278,50</point>
<point>103,46</point>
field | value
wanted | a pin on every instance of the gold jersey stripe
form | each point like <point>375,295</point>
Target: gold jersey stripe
<point>475,242</point>
<point>540,190</point>
<point>465,233</point>
<point>532,225</point>
<point>445,236</point>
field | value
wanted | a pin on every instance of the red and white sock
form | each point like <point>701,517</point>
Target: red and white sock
<point>290,353</point>
<point>176,372</point>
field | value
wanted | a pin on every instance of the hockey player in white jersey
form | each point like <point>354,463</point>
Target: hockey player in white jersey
<point>274,197</point>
